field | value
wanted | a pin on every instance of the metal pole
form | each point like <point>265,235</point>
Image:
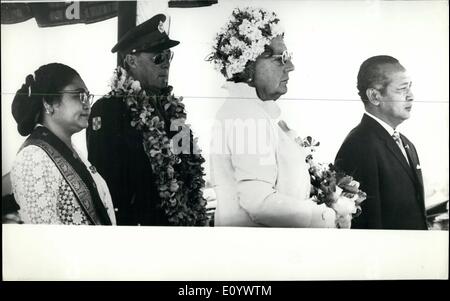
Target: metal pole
<point>126,19</point>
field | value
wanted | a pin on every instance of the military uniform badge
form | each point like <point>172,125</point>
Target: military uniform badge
<point>96,123</point>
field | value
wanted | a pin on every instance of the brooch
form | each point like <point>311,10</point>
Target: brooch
<point>92,168</point>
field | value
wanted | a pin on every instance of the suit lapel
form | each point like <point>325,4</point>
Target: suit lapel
<point>393,147</point>
<point>413,158</point>
<point>390,144</point>
<point>416,176</point>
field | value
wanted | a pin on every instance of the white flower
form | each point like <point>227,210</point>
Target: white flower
<point>136,86</point>
<point>272,17</point>
<point>45,217</point>
<point>39,187</point>
<point>226,48</point>
<point>123,75</point>
<point>236,43</point>
<point>228,72</point>
<point>259,46</point>
<point>247,28</point>
<point>259,23</point>
<point>113,80</point>
<point>218,65</point>
<point>144,115</point>
<point>247,54</point>
<point>344,206</point>
<point>77,218</point>
<point>42,202</point>
<point>257,15</point>
<point>242,61</point>
<point>228,40</point>
<point>37,173</point>
<point>354,183</point>
<point>276,29</point>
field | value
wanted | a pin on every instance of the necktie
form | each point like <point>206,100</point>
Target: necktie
<point>282,124</point>
<point>290,133</point>
<point>398,140</point>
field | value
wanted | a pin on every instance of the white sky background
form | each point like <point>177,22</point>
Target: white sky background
<point>329,39</point>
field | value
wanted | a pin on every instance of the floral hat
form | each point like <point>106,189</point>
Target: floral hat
<point>243,39</point>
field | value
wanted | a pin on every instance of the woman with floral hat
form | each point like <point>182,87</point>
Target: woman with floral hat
<point>258,171</point>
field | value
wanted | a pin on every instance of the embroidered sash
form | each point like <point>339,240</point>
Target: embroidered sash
<point>74,172</point>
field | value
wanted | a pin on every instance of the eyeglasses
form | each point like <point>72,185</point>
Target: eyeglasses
<point>163,57</point>
<point>284,57</point>
<point>86,98</point>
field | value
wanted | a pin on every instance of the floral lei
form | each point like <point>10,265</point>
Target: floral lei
<point>179,177</point>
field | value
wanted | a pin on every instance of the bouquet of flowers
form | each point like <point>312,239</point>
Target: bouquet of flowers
<point>332,187</point>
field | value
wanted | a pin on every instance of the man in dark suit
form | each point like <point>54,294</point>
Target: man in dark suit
<point>384,161</point>
<point>115,147</point>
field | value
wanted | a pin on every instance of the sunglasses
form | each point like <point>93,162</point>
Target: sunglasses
<point>86,98</point>
<point>162,57</point>
<point>284,57</point>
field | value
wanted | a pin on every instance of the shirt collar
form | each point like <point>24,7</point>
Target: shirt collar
<point>386,126</point>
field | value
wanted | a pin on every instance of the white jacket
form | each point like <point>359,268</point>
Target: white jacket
<point>258,172</point>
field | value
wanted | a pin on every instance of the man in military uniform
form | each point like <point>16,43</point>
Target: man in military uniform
<point>115,148</point>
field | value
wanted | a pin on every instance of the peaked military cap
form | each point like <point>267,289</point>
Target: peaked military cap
<point>146,37</point>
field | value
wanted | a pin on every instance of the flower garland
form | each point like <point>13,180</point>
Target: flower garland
<point>243,39</point>
<point>179,177</point>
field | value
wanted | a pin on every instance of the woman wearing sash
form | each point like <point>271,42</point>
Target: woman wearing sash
<point>51,183</point>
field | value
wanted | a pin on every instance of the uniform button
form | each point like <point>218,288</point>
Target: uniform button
<point>116,209</point>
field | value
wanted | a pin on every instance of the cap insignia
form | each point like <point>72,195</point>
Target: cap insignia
<point>161,27</point>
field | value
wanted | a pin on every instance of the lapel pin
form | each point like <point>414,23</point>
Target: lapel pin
<point>92,168</point>
<point>407,146</point>
<point>418,166</point>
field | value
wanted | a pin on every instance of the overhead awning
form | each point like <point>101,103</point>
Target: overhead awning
<point>191,3</point>
<point>49,14</point>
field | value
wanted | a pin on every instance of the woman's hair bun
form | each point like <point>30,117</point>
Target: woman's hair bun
<point>29,80</point>
<point>26,107</point>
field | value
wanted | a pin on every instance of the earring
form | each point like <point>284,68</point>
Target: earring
<point>47,111</point>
